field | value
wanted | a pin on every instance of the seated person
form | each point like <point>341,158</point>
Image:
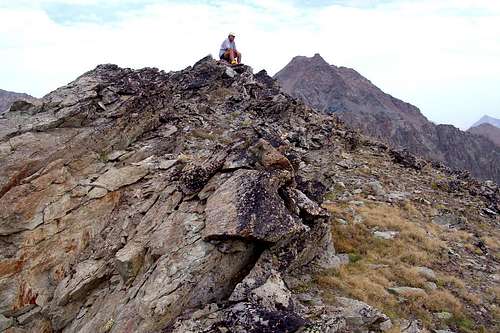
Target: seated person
<point>228,50</point>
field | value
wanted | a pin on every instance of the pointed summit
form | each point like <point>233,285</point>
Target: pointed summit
<point>487,120</point>
<point>315,60</point>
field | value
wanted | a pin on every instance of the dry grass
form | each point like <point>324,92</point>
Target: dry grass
<point>492,243</point>
<point>380,264</point>
<point>451,282</point>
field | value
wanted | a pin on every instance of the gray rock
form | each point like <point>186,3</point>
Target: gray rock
<point>273,294</point>
<point>427,273</point>
<point>359,315</point>
<point>167,164</point>
<point>397,196</point>
<point>8,296</point>
<point>407,291</point>
<point>87,275</point>
<point>358,219</point>
<point>412,326</point>
<point>376,188</point>
<point>230,72</point>
<point>97,192</point>
<point>341,221</point>
<point>443,315</point>
<point>248,317</point>
<point>114,178</point>
<point>387,235</point>
<point>129,260</point>
<point>116,154</point>
<point>298,202</point>
<point>5,323</point>
<point>429,286</point>
<point>28,316</point>
<point>448,220</point>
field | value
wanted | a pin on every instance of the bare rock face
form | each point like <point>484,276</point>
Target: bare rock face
<point>190,201</point>
<point>129,198</point>
<point>362,105</point>
<point>247,205</point>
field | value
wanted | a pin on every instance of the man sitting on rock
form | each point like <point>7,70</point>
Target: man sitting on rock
<point>228,51</point>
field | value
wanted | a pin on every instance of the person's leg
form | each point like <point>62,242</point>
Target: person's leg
<point>238,55</point>
<point>232,55</point>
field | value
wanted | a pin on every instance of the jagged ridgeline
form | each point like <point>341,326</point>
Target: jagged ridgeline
<point>208,200</point>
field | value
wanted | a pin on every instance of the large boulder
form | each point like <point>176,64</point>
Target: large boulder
<point>248,206</point>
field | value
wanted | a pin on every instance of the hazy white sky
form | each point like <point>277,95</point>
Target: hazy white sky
<point>440,55</point>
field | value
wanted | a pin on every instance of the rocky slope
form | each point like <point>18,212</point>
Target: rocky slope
<point>487,120</point>
<point>362,105</point>
<point>9,97</point>
<point>204,200</point>
<point>488,131</point>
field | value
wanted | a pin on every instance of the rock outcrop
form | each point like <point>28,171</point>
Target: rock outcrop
<point>129,197</point>
<point>362,105</point>
<point>190,201</point>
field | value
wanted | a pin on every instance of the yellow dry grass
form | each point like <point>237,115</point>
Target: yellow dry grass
<point>379,264</point>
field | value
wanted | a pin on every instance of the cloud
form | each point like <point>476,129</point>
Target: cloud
<point>440,55</point>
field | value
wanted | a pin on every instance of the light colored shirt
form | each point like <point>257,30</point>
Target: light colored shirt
<point>226,44</point>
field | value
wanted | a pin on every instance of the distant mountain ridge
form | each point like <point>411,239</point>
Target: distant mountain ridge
<point>9,97</point>
<point>487,130</point>
<point>362,105</point>
<point>487,120</point>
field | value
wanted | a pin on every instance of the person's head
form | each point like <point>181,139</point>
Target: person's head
<point>231,36</point>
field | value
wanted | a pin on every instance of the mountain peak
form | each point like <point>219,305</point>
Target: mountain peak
<point>487,119</point>
<point>362,105</point>
<point>488,131</point>
<point>315,60</point>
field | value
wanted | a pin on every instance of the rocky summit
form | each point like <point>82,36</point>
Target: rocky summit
<point>362,105</point>
<point>208,200</point>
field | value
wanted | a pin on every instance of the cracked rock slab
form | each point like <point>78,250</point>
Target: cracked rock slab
<point>248,206</point>
<point>115,178</point>
<point>88,273</point>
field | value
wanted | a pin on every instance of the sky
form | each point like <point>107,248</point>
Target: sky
<point>441,55</point>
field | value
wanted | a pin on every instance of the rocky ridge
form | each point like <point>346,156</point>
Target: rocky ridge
<point>362,105</point>
<point>192,201</point>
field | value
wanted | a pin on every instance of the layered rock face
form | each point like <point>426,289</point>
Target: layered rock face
<point>7,98</point>
<point>362,105</point>
<point>145,201</point>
